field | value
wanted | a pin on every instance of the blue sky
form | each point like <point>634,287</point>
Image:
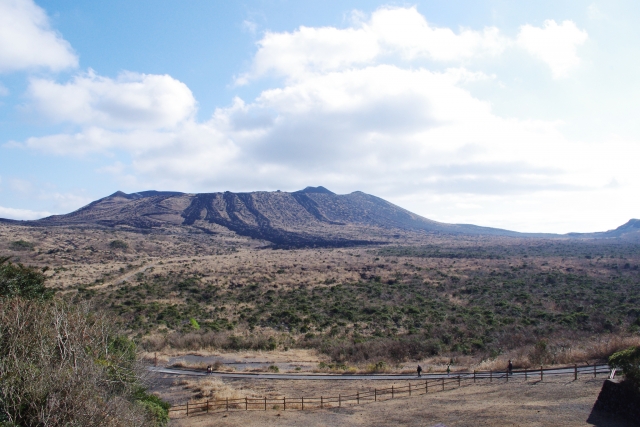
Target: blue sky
<point>521,115</point>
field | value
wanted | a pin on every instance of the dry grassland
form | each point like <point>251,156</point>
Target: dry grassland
<point>551,403</point>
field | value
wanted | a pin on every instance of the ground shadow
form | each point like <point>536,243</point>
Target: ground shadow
<point>606,419</point>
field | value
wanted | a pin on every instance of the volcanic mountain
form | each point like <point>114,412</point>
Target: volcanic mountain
<point>314,216</point>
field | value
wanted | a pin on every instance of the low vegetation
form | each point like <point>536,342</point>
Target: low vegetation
<point>558,301</point>
<point>403,303</point>
<point>628,361</point>
<point>65,364</point>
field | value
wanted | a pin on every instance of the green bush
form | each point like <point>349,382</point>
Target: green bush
<point>194,324</point>
<point>118,244</point>
<point>22,245</point>
<point>16,280</point>
<point>629,362</point>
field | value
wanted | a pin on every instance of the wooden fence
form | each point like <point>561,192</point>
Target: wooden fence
<point>415,388</point>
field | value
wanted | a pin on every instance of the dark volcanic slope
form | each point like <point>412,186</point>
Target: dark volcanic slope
<point>313,216</point>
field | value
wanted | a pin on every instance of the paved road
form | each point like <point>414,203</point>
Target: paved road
<point>582,372</point>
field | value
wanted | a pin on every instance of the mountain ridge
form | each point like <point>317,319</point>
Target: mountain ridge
<point>314,216</point>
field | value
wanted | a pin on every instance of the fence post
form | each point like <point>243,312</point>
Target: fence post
<point>187,408</point>
<point>392,392</point>
<point>594,370</point>
<point>458,380</point>
<point>507,375</point>
<point>358,397</point>
<point>303,403</point>
<point>426,386</point>
<point>375,394</point>
<point>409,389</point>
<point>246,403</point>
<point>474,375</point>
<point>207,406</point>
<point>265,403</point>
<point>442,384</point>
<point>490,376</point>
<point>525,374</point>
<point>227,404</point>
<point>284,403</point>
<point>321,402</point>
<point>575,372</point>
<point>541,374</point>
<point>339,401</point>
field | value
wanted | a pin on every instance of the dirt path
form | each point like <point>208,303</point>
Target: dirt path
<point>550,403</point>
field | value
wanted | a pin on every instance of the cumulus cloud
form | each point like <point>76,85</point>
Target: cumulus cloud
<point>131,101</point>
<point>405,34</point>
<point>401,32</point>
<point>27,40</point>
<point>406,130</point>
<point>554,44</point>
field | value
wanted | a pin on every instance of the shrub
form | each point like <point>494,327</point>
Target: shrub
<point>540,354</point>
<point>118,244</point>
<point>22,245</point>
<point>65,364</point>
<point>16,280</point>
<point>629,362</point>
<point>194,324</point>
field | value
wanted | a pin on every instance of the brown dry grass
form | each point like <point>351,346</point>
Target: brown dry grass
<point>552,403</point>
<point>213,388</point>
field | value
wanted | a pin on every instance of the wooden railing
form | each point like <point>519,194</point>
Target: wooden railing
<point>412,388</point>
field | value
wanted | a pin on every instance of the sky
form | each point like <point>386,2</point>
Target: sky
<point>509,114</point>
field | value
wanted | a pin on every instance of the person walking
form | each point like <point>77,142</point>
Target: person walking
<point>448,368</point>
<point>510,368</point>
<point>419,370</point>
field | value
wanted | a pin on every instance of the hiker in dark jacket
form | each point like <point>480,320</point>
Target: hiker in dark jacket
<point>419,370</point>
<point>510,368</point>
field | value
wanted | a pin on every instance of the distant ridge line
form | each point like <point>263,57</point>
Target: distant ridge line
<point>313,216</point>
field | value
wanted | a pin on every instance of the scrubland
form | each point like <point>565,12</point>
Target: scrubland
<point>472,301</point>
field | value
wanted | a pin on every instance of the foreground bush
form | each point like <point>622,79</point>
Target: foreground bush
<point>16,280</point>
<point>65,365</point>
<point>629,362</point>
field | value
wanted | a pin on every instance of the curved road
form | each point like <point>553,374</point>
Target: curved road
<point>582,371</point>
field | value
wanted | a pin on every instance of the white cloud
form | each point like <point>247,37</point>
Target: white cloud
<point>407,31</point>
<point>401,130</point>
<point>400,32</point>
<point>132,101</point>
<point>403,34</point>
<point>23,214</point>
<point>556,45</point>
<point>27,41</point>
